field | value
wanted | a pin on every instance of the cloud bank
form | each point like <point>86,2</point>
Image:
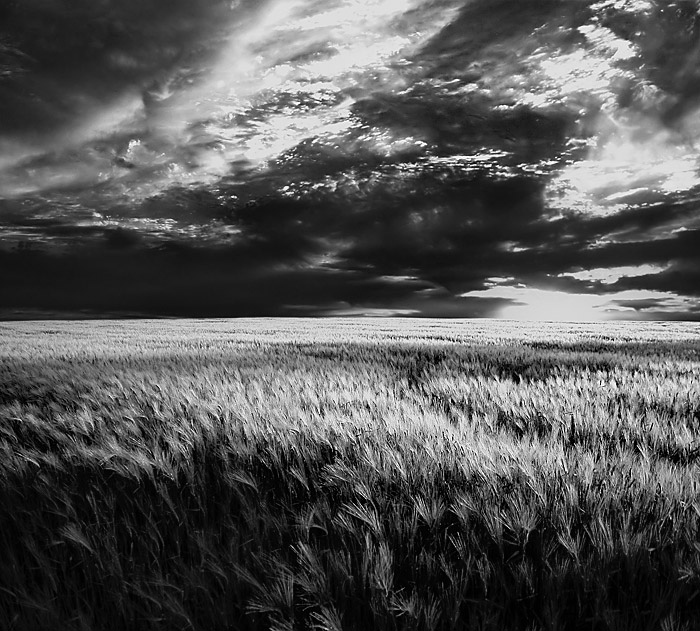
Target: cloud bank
<point>507,159</point>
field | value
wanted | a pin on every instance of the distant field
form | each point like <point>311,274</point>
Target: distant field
<point>349,475</point>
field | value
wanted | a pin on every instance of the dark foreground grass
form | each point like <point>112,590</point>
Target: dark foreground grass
<point>305,475</point>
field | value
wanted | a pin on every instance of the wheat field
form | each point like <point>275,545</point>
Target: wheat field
<point>388,474</point>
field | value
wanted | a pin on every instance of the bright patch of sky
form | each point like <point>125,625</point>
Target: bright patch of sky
<point>533,304</point>
<point>633,155</point>
<point>625,170</point>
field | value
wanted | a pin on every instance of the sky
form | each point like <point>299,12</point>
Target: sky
<point>520,159</point>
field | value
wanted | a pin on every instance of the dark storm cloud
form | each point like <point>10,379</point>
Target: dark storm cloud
<point>550,257</point>
<point>410,253</point>
<point>186,281</point>
<point>460,234</point>
<point>409,244</point>
<point>194,282</point>
<point>627,224</point>
<point>450,234</point>
<point>452,124</point>
<point>480,23</point>
<point>169,281</point>
<point>680,248</point>
<point>60,58</point>
<point>679,278</point>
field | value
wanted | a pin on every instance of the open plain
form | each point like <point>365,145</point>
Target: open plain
<point>349,474</point>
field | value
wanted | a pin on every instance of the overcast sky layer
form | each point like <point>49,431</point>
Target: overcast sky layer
<point>528,159</point>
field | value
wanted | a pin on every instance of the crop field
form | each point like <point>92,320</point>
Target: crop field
<point>367,474</point>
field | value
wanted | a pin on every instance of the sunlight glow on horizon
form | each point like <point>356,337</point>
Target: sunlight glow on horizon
<point>547,305</point>
<point>556,306</point>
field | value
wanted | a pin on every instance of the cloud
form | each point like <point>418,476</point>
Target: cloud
<point>425,243</point>
<point>61,59</point>
<point>681,278</point>
<point>414,204</point>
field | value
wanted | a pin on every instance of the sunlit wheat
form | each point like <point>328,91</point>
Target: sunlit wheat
<point>336,476</point>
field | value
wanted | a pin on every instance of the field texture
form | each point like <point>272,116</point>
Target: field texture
<point>342,475</point>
